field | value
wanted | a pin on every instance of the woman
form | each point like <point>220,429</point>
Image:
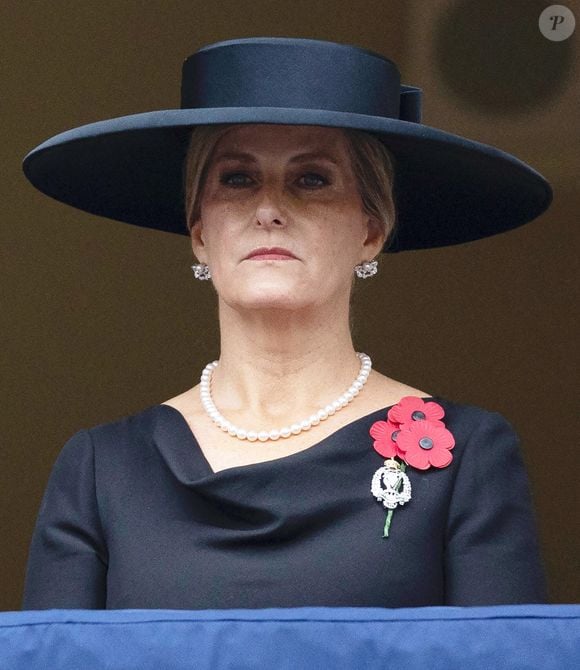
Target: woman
<point>293,474</point>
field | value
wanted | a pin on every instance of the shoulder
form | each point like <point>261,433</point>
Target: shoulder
<point>487,447</point>
<point>467,414</point>
<point>466,421</point>
<point>114,437</point>
<point>473,423</point>
<point>462,415</point>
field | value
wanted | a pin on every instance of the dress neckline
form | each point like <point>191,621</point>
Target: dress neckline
<point>186,433</point>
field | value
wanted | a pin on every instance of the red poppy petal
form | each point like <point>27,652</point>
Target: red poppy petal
<point>443,438</point>
<point>380,430</point>
<point>392,414</point>
<point>406,439</point>
<point>441,458</point>
<point>402,411</point>
<point>385,448</point>
<point>417,458</point>
<point>435,422</point>
<point>433,411</point>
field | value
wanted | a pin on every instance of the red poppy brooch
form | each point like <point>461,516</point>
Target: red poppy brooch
<point>414,433</point>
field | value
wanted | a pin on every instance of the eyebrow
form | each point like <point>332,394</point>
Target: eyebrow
<point>295,159</point>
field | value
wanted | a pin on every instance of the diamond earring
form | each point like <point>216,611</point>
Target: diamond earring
<point>366,269</point>
<point>201,271</point>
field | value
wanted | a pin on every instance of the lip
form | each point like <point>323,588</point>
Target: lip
<point>270,253</point>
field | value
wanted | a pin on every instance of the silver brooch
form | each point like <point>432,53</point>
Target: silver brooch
<point>391,486</point>
<point>386,485</point>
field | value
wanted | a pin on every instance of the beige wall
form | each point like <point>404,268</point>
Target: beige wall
<point>101,319</point>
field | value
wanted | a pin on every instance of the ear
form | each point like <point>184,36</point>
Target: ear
<point>375,239</point>
<point>197,242</point>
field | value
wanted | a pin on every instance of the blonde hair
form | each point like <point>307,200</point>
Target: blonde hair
<point>372,163</point>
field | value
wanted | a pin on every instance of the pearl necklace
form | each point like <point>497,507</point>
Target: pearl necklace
<point>286,431</point>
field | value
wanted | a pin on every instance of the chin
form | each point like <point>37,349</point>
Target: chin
<point>269,297</point>
<point>271,302</point>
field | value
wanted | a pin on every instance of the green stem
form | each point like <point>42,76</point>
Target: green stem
<point>390,512</point>
<point>388,523</point>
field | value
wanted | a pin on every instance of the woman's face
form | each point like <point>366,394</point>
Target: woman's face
<point>276,197</point>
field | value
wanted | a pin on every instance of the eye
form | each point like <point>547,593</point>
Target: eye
<point>233,180</point>
<point>225,179</point>
<point>317,176</point>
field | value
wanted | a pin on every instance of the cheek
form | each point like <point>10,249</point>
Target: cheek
<point>221,226</point>
<point>339,235</point>
<point>330,261</point>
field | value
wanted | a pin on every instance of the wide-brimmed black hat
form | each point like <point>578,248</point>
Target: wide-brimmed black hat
<point>448,189</point>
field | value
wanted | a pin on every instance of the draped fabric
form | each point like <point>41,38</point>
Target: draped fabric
<point>134,517</point>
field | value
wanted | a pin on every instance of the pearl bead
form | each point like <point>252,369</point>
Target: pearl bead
<point>296,428</point>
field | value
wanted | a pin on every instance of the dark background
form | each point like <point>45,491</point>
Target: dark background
<point>102,319</point>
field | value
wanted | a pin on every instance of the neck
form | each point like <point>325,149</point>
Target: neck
<point>279,364</point>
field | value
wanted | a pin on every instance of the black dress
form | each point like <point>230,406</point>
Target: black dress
<point>134,517</point>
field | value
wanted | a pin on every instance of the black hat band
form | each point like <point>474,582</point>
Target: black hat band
<point>297,73</point>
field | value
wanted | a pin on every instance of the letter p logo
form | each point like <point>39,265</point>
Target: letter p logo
<point>557,23</point>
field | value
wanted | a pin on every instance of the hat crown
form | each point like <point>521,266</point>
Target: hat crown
<point>296,73</point>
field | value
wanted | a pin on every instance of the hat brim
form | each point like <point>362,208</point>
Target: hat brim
<point>448,189</point>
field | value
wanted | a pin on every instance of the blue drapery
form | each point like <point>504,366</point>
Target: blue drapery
<point>353,638</point>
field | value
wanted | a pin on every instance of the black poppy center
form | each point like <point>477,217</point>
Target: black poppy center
<point>418,415</point>
<point>426,443</point>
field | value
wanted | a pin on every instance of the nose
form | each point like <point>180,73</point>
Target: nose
<point>269,210</point>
